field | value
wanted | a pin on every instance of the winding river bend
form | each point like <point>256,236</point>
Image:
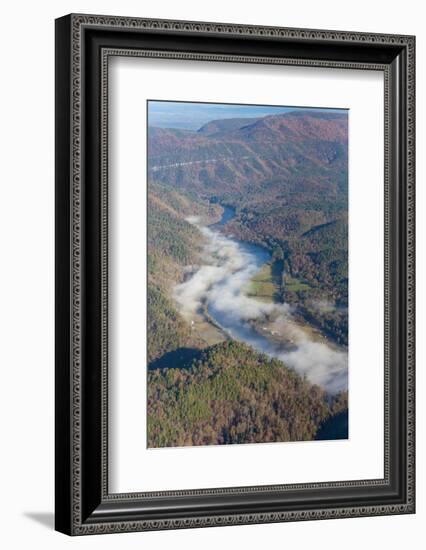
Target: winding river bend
<point>214,299</point>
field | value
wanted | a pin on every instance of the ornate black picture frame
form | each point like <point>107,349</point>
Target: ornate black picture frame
<point>83,46</point>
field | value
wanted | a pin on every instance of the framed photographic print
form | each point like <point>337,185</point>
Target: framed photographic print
<point>234,274</point>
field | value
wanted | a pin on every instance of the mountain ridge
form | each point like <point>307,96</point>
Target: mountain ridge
<point>309,148</point>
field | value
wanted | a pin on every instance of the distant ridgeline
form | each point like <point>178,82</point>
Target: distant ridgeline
<point>286,176</point>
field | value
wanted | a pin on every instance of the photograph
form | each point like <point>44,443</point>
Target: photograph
<point>247,255</point>
<point>234,272</point>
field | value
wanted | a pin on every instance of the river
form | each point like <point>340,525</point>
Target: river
<point>214,301</point>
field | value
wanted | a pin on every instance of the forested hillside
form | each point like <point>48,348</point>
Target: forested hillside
<point>232,394</point>
<point>173,243</point>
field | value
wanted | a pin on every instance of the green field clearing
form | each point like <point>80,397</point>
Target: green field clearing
<point>262,286</point>
<point>294,285</point>
<point>265,285</point>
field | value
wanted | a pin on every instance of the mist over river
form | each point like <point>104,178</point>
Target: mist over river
<point>217,288</point>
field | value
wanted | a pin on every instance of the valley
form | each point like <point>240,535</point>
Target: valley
<point>247,257</point>
<point>236,294</point>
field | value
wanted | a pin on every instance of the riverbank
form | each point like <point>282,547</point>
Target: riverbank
<point>215,301</point>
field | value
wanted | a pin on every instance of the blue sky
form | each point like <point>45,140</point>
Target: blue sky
<point>191,116</point>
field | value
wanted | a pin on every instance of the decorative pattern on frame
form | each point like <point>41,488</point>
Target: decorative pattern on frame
<point>80,21</point>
